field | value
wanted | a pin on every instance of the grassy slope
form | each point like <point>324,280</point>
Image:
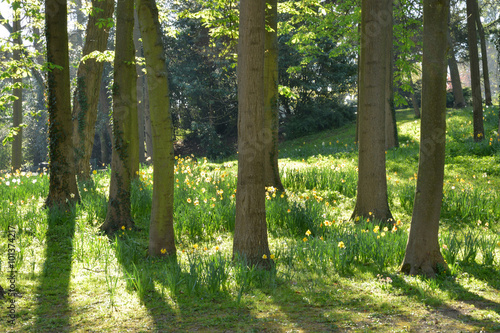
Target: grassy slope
<point>73,279</point>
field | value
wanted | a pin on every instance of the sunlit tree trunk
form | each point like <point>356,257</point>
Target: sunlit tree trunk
<point>475,79</point>
<point>141,79</point>
<point>124,125</point>
<point>371,200</point>
<point>250,233</point>
<point>17,114</point>
<point>161,231</point>
<point>62,187</point>
<point>271,114</point>
<point>423,255</point>
<point>88,79</point>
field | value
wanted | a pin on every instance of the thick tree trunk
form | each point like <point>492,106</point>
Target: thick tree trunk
<point>458,95</point>
<point>124,125</point>
<point>62,187</point>
<point>88,80</point>
<point>371,200</point>
<point>475,79</point>
<point>423,255</point>
<point>250,233</point>
<point>484,55</point>
<point>391,128</point>
<point>17,114</point>
<point>271,113</point>
<point>161,231</point>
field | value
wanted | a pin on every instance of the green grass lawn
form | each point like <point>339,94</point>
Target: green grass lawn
<point>331,274</point>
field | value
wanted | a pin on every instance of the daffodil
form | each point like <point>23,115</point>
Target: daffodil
<point>163,251</point>
<point>341,245</point>
<point>264,256</point>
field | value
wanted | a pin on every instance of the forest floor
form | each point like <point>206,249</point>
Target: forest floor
<point>70,278</point>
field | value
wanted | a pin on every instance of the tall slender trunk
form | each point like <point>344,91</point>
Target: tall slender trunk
<point>458,95</point>
<point>140,89</point>
<point>371,199</point>
<point>124,125</point>
<point>484,55</point>
<point>414,101</point>
<point>86,97</point>
<point>17,114</point>
<point>161,232</point>
<point>271,113</point>
<point>475,78</point>
<point>62,187</point>
<point>423,255</point>
<point>250,232</point>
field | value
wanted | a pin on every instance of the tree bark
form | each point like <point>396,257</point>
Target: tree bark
<point>17,114</point>
<point>250,233</point>
<point>484,55</point>
<point>271,113</point>
<point>161,231</point>
<point>371,200</point>
<point>423,255</point>
<point>62,186</point>
<point>475,78</point>
<point>124,125</point>
<point>88,80</point>
<point>414,101</point>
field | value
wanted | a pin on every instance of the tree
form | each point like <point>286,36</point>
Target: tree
<point>371,200</point>
<point>250,232</point>
<point>88,80</point>
<point>477,103</point>
<point>458,95</point>
<point>271,114</point>
<point>124,125</point>
<point>62,187</point>
<point>423,255</point>
<point>484,55</point>
<point>17,114</point>
<point>161,232</point>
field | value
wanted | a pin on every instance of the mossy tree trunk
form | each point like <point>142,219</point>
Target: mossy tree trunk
<point>423,255</point>
<point>475,78</point>
<point>371,200</point>
<point>391,128</point>
<point>271,113</point>
<point>161,231</point>
<point>62,187</point>
<point>124,126</point>
<point>250,233</point>
<point>88,79</point>
<point>17,114</point>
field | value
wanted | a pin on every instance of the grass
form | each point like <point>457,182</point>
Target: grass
<point>330,274</point>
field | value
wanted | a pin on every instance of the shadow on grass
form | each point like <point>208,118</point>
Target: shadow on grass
<point>173,303</point>
<point>53,311</point>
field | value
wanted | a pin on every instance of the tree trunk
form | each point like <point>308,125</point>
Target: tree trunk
<point>458,95</point>
<point>17,114</point>
<point>124,125</point>
<point>62,186</point>
<point>88,81</point>
<point>371,201</point>
<point>161,231</point>
<point>271,113</point>
<point>484,55</point>
<point>147,126</point>
<point>250,233</point>
<point>475,78</point>
<point>391,128</point>
<point>423,255</point>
